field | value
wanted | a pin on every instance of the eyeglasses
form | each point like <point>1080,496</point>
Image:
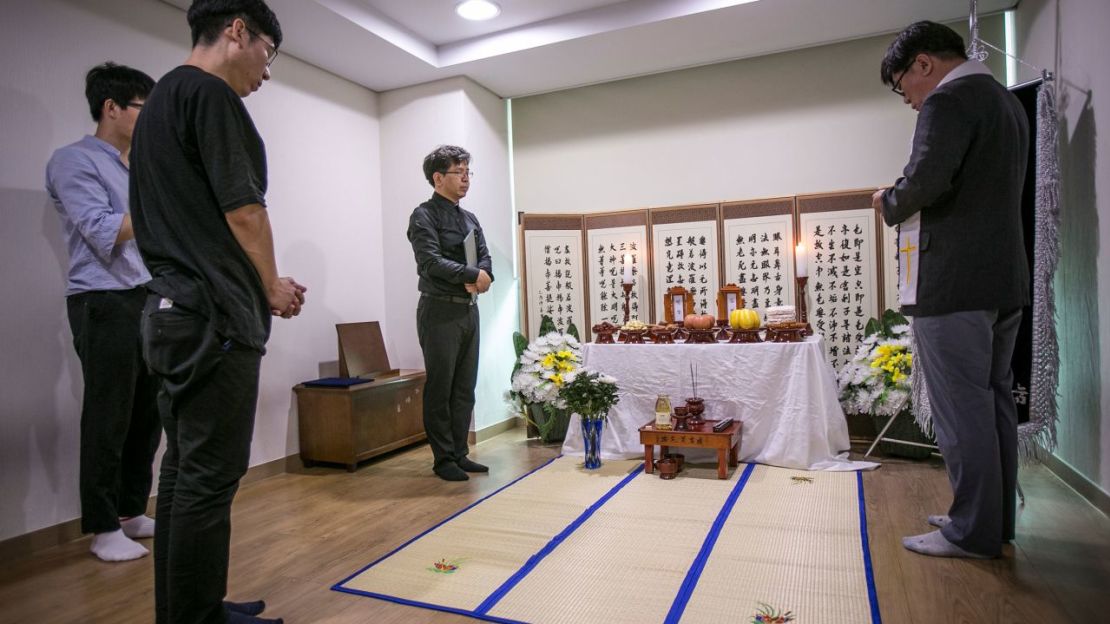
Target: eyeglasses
<point>466,175</point>
<point>897,88</point>
<point>273,51</point>
<point>134,105</point>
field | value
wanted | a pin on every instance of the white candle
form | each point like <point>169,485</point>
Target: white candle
<point>800,267</point>
<point>627,261</point>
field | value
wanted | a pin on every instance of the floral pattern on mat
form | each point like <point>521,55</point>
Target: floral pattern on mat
<point>770,615</point>
<point>445,567</point>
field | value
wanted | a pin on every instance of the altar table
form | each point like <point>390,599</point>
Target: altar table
<point>784,393</point>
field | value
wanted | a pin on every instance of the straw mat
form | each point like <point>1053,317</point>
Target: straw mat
<point>564,544</point>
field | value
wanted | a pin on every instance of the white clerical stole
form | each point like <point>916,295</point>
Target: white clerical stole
<point>909,240</point>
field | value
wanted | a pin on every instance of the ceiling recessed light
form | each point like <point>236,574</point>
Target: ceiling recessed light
<point>477,10</point>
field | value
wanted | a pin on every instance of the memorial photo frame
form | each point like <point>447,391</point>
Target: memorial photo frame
<point>677,303</point>
<point>729,298</point>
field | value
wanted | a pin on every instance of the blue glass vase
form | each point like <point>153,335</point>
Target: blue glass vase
<point>591,440</point>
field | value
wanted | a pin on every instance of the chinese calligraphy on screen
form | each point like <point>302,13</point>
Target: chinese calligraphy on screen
<point>842,278</point>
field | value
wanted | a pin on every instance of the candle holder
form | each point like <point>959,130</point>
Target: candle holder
<point>627,296</point>
<point>803,315</point>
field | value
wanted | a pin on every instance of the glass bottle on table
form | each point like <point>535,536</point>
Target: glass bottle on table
<point>663,413</point>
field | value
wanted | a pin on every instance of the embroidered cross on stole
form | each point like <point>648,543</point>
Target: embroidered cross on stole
<point>909,232</point>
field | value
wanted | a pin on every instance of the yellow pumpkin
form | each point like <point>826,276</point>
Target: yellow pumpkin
<point>743,318</point>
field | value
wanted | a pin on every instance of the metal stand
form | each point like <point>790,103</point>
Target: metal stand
<point>803,315</point>
<point>627,295</point>
<point>882,438</point>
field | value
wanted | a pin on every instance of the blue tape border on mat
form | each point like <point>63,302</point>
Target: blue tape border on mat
<point>872,597</point>
<point>698,566</point>
<point>338,586</point>
<point>551,545</point>
<point>517,576</point>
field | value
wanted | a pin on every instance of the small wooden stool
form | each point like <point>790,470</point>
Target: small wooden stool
<point>726,442</point>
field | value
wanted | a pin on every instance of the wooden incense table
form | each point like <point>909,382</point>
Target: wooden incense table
<point>726,442</point>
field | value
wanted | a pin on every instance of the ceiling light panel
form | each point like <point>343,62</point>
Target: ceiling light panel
<point>477,10</point>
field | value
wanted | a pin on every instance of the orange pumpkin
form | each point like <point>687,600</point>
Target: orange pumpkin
<point>699,321</point>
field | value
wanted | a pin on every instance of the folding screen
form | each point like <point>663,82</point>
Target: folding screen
<point>611,239</point>
<point>554,280</point>
<point>758,250</point>
<point>684,253</point>
<point>841,233</point>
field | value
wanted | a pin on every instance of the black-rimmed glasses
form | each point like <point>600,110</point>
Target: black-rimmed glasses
<point>897,88</point>
<point>462,174</point>
<point>272,53</point>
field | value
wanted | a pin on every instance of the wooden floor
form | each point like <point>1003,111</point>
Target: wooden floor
<point>297,534</point>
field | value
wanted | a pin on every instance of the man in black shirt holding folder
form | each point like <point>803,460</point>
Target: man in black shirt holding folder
<point>447,315</point>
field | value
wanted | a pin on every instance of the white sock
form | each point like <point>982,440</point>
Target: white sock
<point>137,527</point>
<point>115,546</point>
<point>938,520</point>
<point>935,544</point>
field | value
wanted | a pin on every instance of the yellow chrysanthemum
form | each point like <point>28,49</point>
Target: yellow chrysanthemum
<point>548,361</point>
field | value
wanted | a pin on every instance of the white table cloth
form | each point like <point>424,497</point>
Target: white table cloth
<point>784,393</point>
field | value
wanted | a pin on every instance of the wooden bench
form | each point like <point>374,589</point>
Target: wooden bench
<point>349,425</point>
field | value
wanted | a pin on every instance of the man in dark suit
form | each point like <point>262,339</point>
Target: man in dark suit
<point>963,274</point>
<point>447,315</point>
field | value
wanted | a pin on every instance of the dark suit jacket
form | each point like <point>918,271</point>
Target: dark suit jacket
<point>965,177</point>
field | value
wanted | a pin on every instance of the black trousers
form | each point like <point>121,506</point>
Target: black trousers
<point>207,402</point>
<point>966,359</point>
<point>448,334</point>
<point>119,416</point>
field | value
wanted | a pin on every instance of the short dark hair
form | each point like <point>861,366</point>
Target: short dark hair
<point>443,158</point>
<point>207,18</point>
<point>920,37</point>
<point>118,83</point>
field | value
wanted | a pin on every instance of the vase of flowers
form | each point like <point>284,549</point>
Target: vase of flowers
<point>590,395</point>
<point>878,381</point>
<point>543,368</point>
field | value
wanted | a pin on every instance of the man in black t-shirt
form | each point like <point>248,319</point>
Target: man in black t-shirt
<point>198,184</point>
<point>447,315</point>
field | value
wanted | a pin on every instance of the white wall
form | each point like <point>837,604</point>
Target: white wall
<point>414,121</point>
<point>809,121</point>
<point>321,134</point>
<point>1070,38</point>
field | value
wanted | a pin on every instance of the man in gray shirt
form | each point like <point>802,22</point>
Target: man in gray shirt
<point>88,182</point>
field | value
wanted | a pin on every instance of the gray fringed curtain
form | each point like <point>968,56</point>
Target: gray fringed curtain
<point>1040,431</point>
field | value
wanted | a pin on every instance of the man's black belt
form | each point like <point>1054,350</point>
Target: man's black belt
<point>450,298</point>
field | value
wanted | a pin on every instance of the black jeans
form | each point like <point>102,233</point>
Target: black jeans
<point>119,416</point>
<point>448,334</point>
<point>207,402</point>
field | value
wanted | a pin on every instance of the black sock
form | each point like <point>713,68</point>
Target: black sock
<point>450,472</point>
<point>246,608</point>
